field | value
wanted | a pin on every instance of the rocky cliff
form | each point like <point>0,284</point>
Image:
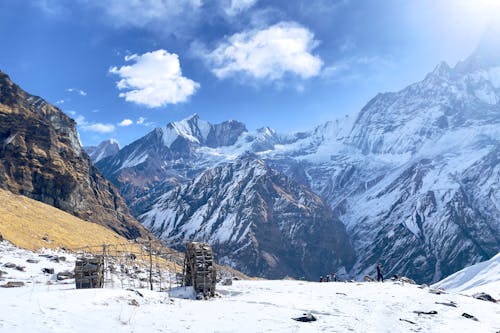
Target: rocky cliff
<point>41,158</point>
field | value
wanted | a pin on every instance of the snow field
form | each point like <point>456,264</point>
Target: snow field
<point>245,306</point>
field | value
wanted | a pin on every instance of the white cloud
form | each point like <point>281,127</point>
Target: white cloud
<point>235,7</point>
<point>59,102</point>
<point>92,127</point>
<point>154,79</point>
<point>141,120</point>
<point>125,122</point>
<point>269,53</point>
<point>157,14</point>
<point>99,128</point>
<point>77,91</point>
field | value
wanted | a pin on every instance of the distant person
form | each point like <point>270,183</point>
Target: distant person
<point>380,277</point>
<point>328,278</point>
<point>321,278</point>
<point>334,277</point>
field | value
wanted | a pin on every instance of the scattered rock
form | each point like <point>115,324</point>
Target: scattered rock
<point>133,302</point>
<point>306,317</point>
<point>425,312</point>
<point>423,286</point>
<point>9,265</point>
<point>33,261</point>
<point>468,316</point>
<point>452,304</point>
<point>437,291</point>
<point>1,238</point>
<point>62,258</point>
<point>13,284</point>
<point>46,238</point>
<point>341,294</point>
<point>408,321</point>
<point>367,278</point>
<point>20,268</point>
<point>406,280</point>
<point>65,275</point>
<point>484,297</point>
<point>48,270</point>
<point>135,291</point>
<point>227,282</point>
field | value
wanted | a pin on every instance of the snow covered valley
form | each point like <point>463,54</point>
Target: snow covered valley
<point>44,304</point>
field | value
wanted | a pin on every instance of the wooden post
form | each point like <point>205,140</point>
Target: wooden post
<point>150,264</point>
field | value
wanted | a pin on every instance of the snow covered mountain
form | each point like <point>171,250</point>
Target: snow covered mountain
<point>481,277</point>
<point>415,176</point>
<point>170,154</point>
<point>258,221</point>
<point>102,150</point>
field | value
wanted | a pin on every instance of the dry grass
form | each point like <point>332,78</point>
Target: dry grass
<point>33,225</point>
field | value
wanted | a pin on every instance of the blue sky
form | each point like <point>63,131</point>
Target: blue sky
<point>121,68</point>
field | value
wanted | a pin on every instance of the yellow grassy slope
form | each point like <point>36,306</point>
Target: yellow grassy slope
<point>25,222</point>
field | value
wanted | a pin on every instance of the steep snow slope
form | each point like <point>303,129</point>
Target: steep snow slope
<point>481,277</point>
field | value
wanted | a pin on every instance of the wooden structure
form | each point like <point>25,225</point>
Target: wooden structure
<point>89,272</point>
<point>199,269</point>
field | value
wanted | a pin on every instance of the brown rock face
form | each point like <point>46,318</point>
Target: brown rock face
<point>41,158</point>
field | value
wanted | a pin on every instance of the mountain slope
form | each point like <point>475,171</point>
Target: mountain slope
<point>102,150</point>
<point>41,157</point>
<point>481,277</point>
<point>414,175</point>
<point>258,221</point>
<point>167,155</point>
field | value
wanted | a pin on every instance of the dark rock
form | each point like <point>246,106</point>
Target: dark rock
<point>66,275</point>
<point>48,270</point>
<point>468,316</point>
<point>13,284</point>
<point>408,321</point>
<point>484,297</point>
<point>20,268</point>
<point>452,304</point>
<point>368,278</point>
<point>9,265</point>
<point>32,261</point>
<point>1,238</point>
<point>432,312</point>
<point>306,317</point>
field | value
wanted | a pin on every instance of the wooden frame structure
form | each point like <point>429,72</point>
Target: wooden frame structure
<point>89,272</point>
<point>199,269</point>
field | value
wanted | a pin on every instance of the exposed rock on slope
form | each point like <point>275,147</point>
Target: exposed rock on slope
<point>258,221</point>
<point>41,158</point>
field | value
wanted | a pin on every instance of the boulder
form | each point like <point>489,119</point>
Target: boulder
<point>66,275</point>
<point>484,297</point>
<point>48,270</point>
<point>367,278</point>
<point>13,284</point>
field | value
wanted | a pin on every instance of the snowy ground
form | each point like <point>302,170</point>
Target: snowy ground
<point>246,306</point>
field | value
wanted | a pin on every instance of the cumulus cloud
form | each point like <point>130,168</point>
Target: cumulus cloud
<point>77,91</point>
<point>86,126</point>
<point>125,122</point>
<point>268,53</point>
<point>98,128</point>
<point>154,79</point>
<point>141,120</point>
<point>234,7</point>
